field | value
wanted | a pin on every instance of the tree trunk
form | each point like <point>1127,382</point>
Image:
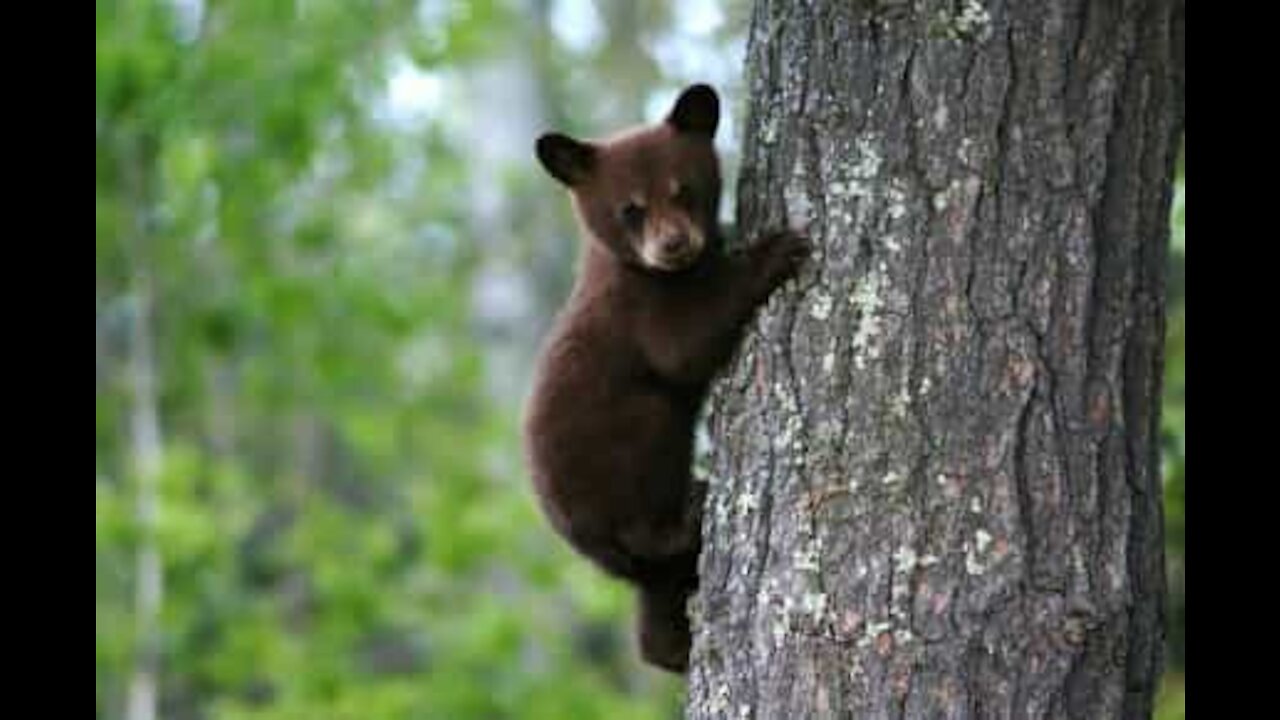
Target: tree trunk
<point>144,689</point>
<point>934,463</point>
<point>146,446</point>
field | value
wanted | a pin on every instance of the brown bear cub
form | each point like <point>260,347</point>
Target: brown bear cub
<point>656,311</point>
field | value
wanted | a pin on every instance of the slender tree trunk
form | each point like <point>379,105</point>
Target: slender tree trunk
<point>146,452</point>
<point>935,487</point>
<point>144,431</point>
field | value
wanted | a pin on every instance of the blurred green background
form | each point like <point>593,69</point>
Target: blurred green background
<point>324,260</point>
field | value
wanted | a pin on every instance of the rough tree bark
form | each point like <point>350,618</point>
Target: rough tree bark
<point>935,487</point>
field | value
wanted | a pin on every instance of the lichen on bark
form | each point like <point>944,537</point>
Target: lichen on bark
<point>936,486</point>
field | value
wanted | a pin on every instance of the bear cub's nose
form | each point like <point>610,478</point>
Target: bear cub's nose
<point>674,245</point>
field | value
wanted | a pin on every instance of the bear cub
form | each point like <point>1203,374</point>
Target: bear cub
<point>656,311</point>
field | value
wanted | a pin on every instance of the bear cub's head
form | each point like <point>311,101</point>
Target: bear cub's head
<point>650,195</point>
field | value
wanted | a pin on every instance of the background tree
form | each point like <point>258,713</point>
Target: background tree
<point>936,481</point>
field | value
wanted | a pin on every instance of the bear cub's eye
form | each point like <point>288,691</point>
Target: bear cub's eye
<point>683,196</point>
<point>632,216</point>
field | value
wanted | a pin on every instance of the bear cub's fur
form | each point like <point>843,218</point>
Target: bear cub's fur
<point>657,309</point>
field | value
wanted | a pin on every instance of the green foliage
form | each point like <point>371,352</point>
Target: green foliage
<point>344,527</point>
<point>1171,704</point>
<point>1171,701</point>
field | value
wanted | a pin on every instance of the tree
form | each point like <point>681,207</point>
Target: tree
<point>934,463</point>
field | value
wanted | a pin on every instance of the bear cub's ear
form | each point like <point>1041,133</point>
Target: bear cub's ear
<point>696,111</point>
<point>567,160</point>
